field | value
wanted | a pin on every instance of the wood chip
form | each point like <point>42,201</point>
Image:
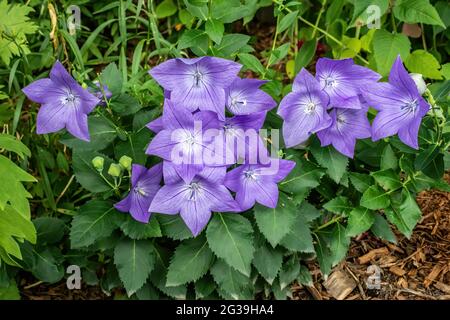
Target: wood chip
<point>372,254</point>
<point>339,285</point>
<point>432,275</point>
<point>314,292</point>
<point>443,287</point>
<point>397,271</point>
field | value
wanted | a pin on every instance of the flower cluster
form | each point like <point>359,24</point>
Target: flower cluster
<point>335,102</point>
<point>198,142</point>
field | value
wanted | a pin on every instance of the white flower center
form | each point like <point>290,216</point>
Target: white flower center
<point>140,190</point>
<point>250,174</point>
<point>198,77</point>
<point>69,98</point>
<point>411,106</point>
<point>330,82</point>
<point>310,107</point>
<point>194,190</point>
<point>235,102</point>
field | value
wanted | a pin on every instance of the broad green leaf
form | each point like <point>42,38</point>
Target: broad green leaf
<point>138,230</point>
<point>324,256</point>
<point>382,229</point>
<point>374,198</point>
<point>147,292</point>
<point>191,260</point>
<point>134,146</point>
<point>360,181</point>
<point>308,211</point>
<point>305,176</point>
<point>101,132</point>
<point>49,229</point>
<point>359,220</point>
<point>435,169</point>
<point>287,21</point>
<point>231,43</point>
<point>10,292</point>
<point>305,55</point>
<point>229,11</point>
<point>268,262</point>
<point>339,205</point>
<point>96,219</point>
<point>332,160</point>
<point>275,223</point>
<point>366,11</point>
<point>173,227</point>
<point>338,243</point>
<point>124,105</point>
<point>446,70</point>
<point>231,281</point>
<point>47,265</point>
<point>406,215</point>
<point>387,179</point>
<point>86,174</point>
<point>214,29</point>
<point>387,46</point>
<point>112,78</point>
<point>251,62</point>
<point>425,63</point>
<point>191,38</point>
<point>305,277</point>
<point>230,237</point>
<point>388,159</point>
<point>289,272</point>
<point>134,259</point>
<point>299,239</point>
<point>198,9</point>
<point>412,11</point>
<point>10,143</point>
<point>165,9</point>
<point>158,276</point>
<point>430,161</point>
<point>204,287</point>
<point>278,54</point>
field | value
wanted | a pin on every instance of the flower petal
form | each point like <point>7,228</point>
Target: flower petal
<point>51,118</point>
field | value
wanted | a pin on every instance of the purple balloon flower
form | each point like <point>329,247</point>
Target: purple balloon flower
<point>184,141</point>
<point>197,83</point>
<point>304,110</point>
<point>400,105</point>
<point>144,185</point>
<point>195,200</point>
<point>342,79</point>
<point>258,183</point>
<point>64,103</point>
<point>244,97</point>
<point>347,126</point>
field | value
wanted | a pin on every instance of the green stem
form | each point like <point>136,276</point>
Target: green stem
<point>394,25</point>
<point>424,41</point>
<point>332,221</point>
<point>322,9</point>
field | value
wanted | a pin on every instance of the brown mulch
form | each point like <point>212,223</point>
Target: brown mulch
<point>418,268</point>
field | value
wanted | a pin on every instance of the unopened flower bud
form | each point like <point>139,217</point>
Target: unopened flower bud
<point>98,163</point>
<point>125,162</point>
<point>84,85</point>
<point>420,83</point>
<point>114,170</point>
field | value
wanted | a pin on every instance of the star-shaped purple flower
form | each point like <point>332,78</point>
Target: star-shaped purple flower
<point>144,185</point>
<point>342,79</point>
<point>184,140</point>
<point>347,126</point>
<point>197,83</point>
<point>258,183</point>
<point>195,200</point>
<point>244,97</point>
<point>304,110</point>
<point>401,107</point>
<point>64,103</point>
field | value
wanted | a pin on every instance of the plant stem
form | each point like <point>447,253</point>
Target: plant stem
<point>322,9</point>
<point>394,25</point>
<point>332,221</point>
<point>424,41</point>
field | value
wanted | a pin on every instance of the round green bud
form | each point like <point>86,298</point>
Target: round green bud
<point>114,170</point>
<point>98,163</point>
<point>84,85</point>
<point>125,162</point>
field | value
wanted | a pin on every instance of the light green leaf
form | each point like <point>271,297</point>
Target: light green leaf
<point>231,43</point>
<point>289,272</point>
<point>387,46</point>
<point>374,198</point>
<point>405,216</point>
<point>134,260</point>
<point>359,220</point>
<point>275,223</point>
<point>388,159</point>
<point>332,160</point>
<point>86,174</point>
<point>173,227</point>
<point>287,21</point>
<point>412,11</point>
<point>165,9</point>
<point>381,229</point>
<point>230,237</point>
<point>425,63</point>
<point>268,262</point>
<point>251,62</point>
<point>231,281</point>
<point>10,143</point>
<point>387,179</point>
<point>364,12</point>
<point>10,292</point>
<point>138,230</point>
<point>339,205</point>
<point>214,29</point>
<point>95,220</point>
<point>360,181</point>
<point>191,260</point>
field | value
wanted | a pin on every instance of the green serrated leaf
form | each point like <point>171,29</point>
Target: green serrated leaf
<point>420,61</point>
<point>275,223</point>
<point>234,283</point>
<point>268,262</point>
<point>332,160</point>
<point>134,260</point>
<point>230,237</point>
<point>405,215</point>
<point>214,29</point>
<point>191,260</point>
<point>339,205</point>
<point>387,179</point>
<point>138,230</point>
<point>387,46</point>
<point>381,229</point>
<point>360,181</point>
<point>299,239</point>
<point>359,220</point>
<point>413,11</point>
<point>374,198</point>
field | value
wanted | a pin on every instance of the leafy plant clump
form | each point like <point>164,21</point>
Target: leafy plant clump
<point>183,164</point>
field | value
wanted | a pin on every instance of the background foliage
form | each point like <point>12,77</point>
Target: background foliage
<point>326,200</point>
